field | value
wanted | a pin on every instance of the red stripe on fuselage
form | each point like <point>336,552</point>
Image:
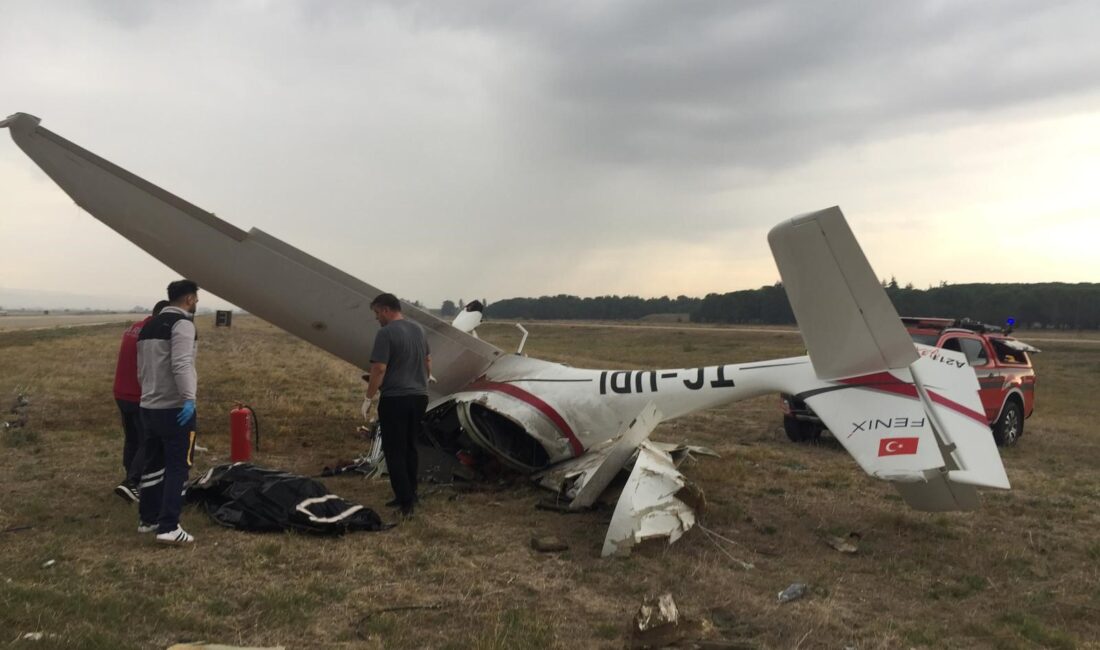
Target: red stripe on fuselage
<point>538,404</point>
<point>888,383</point>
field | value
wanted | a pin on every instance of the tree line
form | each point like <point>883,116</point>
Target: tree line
<point>599,308</point>
<point>1050,304</point>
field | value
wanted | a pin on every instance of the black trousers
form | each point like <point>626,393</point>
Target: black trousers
<point>400,419</point>
<point>133,445</point>
<point>168,453</point>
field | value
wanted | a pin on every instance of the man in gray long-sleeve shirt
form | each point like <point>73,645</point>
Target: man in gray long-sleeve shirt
<point>166,369</point>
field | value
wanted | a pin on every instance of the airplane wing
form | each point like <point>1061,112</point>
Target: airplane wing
<point>253,270</point>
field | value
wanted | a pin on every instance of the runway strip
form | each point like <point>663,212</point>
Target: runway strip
<point>34,323</point>
<point>677,328</point>
<point>761,330</point>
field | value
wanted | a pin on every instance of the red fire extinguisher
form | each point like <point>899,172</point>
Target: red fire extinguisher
<point>242,424</point>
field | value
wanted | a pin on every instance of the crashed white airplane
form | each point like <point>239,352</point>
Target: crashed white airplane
<point>575,429</point>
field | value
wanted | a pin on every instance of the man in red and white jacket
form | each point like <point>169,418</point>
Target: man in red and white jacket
<point>128,398</point>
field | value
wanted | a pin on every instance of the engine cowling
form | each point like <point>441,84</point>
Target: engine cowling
<point>520,428</point>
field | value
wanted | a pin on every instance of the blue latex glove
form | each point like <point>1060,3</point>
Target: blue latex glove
<point>186,413</point>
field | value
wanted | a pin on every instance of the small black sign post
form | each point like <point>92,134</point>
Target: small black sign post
<point>223,318</point>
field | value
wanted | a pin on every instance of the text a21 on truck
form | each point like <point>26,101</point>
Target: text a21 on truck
<point>1006,377</point>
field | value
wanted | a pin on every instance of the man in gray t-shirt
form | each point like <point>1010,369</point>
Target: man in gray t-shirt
<point>400,365</point>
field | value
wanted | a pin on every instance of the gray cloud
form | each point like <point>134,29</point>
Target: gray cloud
<point>517,136</point>
<point>748,84</point>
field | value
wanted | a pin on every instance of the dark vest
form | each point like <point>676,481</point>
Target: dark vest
<point>160,326</point>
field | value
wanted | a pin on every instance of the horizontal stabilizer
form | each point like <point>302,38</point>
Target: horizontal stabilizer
<point>948,388</point>
<point>921,428</point>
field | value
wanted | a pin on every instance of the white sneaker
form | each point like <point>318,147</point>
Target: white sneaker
<point>176,537</point>
<point>146,528</point>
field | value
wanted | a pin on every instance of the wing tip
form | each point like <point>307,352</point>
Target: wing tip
<point>22,121</point>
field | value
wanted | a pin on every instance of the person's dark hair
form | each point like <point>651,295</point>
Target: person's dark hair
<point>181,288</point>
<point>159,307</point>
<point>386,300</point>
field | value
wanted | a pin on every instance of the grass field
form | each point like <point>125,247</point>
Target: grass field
<point>1022,572</point>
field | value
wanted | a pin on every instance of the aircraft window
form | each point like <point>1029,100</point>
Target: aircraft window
<point>1007,355</point>
<point>975,351</point>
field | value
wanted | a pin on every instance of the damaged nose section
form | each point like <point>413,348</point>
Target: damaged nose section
<point>509,439</point>
<point>521,429</point>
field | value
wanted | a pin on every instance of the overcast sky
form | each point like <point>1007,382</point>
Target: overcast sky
<point>499,149</point>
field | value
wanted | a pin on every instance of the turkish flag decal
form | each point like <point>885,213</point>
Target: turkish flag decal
<point>897,446</point>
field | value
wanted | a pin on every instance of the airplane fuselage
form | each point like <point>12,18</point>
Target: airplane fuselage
<point>569,410</point>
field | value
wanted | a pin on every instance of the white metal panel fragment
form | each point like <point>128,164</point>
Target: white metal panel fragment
<point>565,477</point>
<point>584,478</point>
<point>650,505</point>
<point>568,477</point>
<point>681,452</point>
<point>627,443</point>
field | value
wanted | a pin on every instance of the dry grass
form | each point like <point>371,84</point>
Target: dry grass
<point>1021,573</point>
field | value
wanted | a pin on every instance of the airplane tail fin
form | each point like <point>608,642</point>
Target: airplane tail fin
<point>910,417</point>
<point>847,320</point>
